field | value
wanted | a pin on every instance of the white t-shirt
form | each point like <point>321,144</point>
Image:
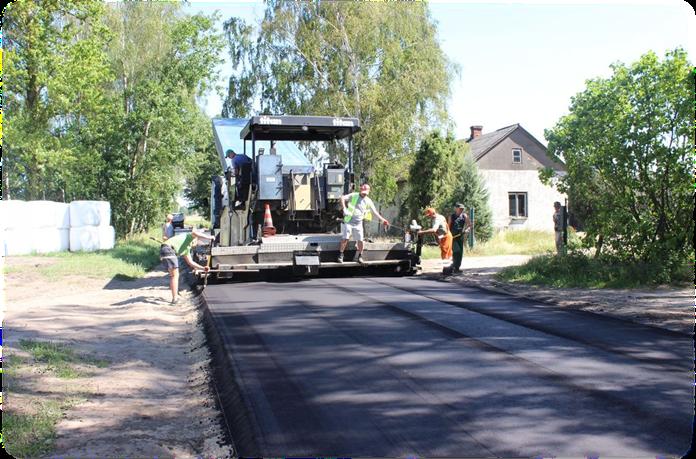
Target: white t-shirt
<point>361,207</point>
<point>440,224</point>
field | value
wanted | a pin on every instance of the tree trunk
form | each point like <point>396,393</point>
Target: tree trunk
<point>598,246</point>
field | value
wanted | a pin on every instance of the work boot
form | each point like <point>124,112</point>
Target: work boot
<point>340,257</point>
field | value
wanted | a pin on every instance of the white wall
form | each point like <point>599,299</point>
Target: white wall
<point>540,199</point>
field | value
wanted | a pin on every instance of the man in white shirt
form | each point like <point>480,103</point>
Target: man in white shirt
<point>168,228</point>
<point>441,231</point>
<point>356,208</point>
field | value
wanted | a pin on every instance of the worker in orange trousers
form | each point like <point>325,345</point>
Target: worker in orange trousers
<point>441,230</point>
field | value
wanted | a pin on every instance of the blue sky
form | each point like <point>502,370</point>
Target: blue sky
<point>521,62</point>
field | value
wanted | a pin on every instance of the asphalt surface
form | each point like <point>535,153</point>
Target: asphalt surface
<point>412,366</point>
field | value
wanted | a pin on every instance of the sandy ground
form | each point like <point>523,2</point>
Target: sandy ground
<point>153,399</point>
<point>666,307</point>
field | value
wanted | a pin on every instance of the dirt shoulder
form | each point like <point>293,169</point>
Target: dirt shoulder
<point>665,307</point>
<point>149,394</point>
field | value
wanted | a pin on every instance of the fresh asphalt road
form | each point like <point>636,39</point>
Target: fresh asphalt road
<point>384,366</point>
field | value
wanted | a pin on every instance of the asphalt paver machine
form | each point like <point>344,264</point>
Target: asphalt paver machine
<point>302,200</point>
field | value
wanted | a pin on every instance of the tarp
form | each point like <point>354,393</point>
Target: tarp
<point>227,131</point>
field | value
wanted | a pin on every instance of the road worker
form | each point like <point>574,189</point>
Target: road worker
<point>168,228</point>
<point>173,248</point>
<point>558,227</point>
<point>461,225</point>
<point>441,231</point>
<point>356,208</point>
<point>239,166</point>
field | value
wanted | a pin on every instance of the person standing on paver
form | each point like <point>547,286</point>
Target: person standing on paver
<point>168,228</point>
<point>177,246</point>
<point>356,208</point>
<point>558,226</point>
<point>461,225</point>
<point>441,231</point>
<point>240,167</point>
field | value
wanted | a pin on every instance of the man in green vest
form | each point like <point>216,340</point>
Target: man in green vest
<point>173,248</point>
<point>356,208</point>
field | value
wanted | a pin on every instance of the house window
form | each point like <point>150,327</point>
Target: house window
<point>518,204</point>
<point>516,156</point>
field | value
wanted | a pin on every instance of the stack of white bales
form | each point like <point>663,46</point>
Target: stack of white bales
<point>34,227</point>
<point>13,228</point>
<point>89,226</point>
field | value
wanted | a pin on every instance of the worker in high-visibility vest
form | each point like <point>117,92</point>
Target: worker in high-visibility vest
<point>441,231</point>
<point>180,245</point>
<point>356,208</point>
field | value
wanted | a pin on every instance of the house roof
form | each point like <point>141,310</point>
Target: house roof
<point>485,143</point>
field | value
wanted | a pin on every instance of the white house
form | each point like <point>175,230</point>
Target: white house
<point>509,160</point>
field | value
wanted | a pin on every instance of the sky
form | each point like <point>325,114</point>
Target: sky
<point>522,61</point>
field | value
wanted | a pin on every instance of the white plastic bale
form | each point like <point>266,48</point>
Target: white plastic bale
<point>49,240</point>
<point>18,242</point>
<point>107,237</point>
<point>64,239</point>
<point>91,238</point>
<point>61,215</point>
<point>90,213</point>
<point>13,214</point>
<point>48,214</point>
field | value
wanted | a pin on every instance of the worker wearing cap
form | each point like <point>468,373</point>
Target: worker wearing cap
<point>356,208</point>
<point>461,225</point>
<point>172,249</point>
<point>168,228</point>
<point>441,230</point>
<point>240,167</point>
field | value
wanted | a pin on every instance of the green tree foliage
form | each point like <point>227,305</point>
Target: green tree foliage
<point>101,103</point>
<point>54,71</point>
<point>628,146</point>
<point>445,174</point>
<point>379,62</point>
<point>161,61</point>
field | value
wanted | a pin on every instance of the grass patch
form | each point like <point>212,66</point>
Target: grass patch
<point>197,221</point>
<point>10,363</point>
<point>130,259</point>
<point>32,434</point>
<point>59,358</point>
<point>579,270</point>
<point>511,242</point>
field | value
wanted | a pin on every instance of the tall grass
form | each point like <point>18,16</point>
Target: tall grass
<point>511,242</point>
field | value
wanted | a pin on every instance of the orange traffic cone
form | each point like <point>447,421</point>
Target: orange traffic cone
<point>268,228</point>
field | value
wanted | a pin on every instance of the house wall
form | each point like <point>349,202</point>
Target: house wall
<point>534,155</point>
<point>540,198</point>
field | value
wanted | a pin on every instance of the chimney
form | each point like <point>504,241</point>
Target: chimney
<point>475,132</point>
